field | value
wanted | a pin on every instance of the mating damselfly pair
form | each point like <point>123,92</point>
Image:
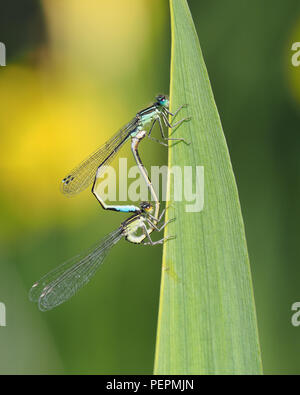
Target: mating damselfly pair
<point>63,282</point>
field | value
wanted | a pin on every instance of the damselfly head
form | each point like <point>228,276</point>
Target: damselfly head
<point>162,100</point>
<point>146,207</point>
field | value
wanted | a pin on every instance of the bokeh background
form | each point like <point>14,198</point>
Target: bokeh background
<point>77,71</point>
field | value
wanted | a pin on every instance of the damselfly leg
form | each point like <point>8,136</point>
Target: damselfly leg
<point>176,112</point>
<point>162,118</point>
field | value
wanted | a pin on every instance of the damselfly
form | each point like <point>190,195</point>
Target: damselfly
<point>62,283</point>
<point>84,174</point>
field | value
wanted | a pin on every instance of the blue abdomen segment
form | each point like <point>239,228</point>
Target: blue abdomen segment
<point>126,209</point>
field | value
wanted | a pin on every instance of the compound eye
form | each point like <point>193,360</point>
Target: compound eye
<point>149,207</point>
<point>143,205</point>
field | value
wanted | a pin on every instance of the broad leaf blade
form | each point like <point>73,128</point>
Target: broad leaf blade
<point>207,320</point>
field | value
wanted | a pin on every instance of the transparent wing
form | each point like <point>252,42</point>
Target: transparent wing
<point>63,282</point>
<point>83,175</point>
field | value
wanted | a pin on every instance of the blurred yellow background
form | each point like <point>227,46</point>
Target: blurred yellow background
<point>76,72</point>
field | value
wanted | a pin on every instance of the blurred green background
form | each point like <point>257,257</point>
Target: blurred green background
<point>77,71</point>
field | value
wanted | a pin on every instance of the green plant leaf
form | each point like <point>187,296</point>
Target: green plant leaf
<point>207,319</point>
